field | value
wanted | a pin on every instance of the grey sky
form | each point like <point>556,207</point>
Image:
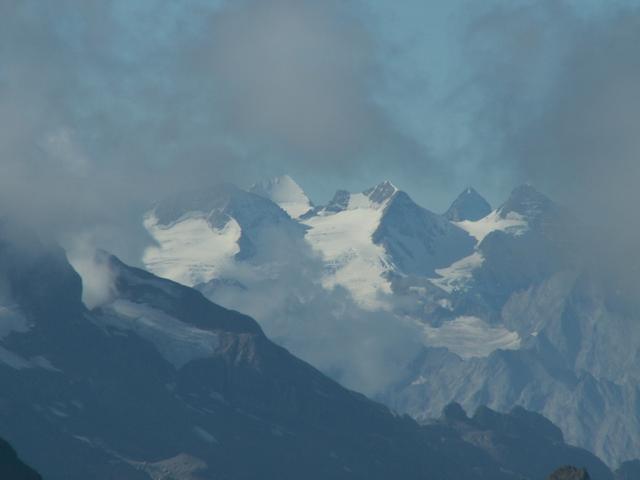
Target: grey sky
<point>106,106</point>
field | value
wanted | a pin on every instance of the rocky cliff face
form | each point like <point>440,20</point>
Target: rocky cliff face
<point>569,473</point>
<point>469,205</point>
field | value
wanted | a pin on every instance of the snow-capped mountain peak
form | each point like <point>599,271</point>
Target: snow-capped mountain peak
<point>342,232</point>
<point>286,193</point>
<point>366,236</point>
<point>374,198</point>
<point>469,205</point>
<point>381,192</point>
<point>539,211</point>
<point>200,233</point>
<point>525,200</point>
<point>417,240</point>
<point>339,202</point>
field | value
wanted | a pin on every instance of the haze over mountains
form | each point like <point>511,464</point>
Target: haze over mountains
<point>157,382</point>
<point>481,306</point>
<point>476,318</point>
<point>135,376</point>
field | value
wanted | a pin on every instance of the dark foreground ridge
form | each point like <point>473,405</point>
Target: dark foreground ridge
<point>11,467</point>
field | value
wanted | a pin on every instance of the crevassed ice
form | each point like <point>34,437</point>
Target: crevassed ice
<point>470,336</point>
<point>190,251</point>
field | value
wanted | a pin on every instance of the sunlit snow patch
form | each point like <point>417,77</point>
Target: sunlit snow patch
<point>458,274</point>
<point>471,337</point>
<point>512,223</point>
<point>190,251</point>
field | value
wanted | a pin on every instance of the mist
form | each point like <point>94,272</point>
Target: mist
<point>107,107</point>
<point>559,101</point>
<point>560,95</point>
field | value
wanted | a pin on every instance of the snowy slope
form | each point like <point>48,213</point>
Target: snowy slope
<point>342,234</point>
<point>510,222</point>
<point>365,237</point>
<point>469,337</point>
<point>458,275</point>
<point>469,205</point>
<point>364,240</point>
<point>417,240</point>
<point>286,193</point>
<point>201,234</point>
<point>190,251</point>
<point>525,215</point>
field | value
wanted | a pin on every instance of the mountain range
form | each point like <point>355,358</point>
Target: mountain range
<point>157,382</point>
<point>481,306</point>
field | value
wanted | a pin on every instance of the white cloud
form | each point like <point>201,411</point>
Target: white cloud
<point>98,280</point>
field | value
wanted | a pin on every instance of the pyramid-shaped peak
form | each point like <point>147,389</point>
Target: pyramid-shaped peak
<point>525,200</point>
<point>284,191</point>
<point>454,412</point>
<point>527,190</point>
<point>339,202</point>
<point>279,189</point>
<point>469,205</point>
<point>381,192</point>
